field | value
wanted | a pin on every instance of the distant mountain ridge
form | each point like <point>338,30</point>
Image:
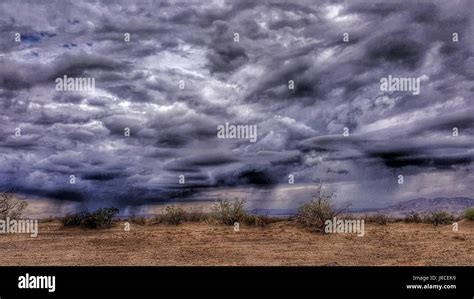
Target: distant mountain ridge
<point>452,205</point>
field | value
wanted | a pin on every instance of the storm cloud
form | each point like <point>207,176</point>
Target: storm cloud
<point>160,96</point>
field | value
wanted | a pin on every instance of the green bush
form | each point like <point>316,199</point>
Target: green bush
<point>440,218</point>
<point>469,214</point>
<point>228,213</point>
<point>100,218</point>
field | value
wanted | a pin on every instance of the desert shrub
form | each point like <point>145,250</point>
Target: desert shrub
<point>413,218</point>
<point>222,212</point>
<point>172,215</point>
<point>176,215</point>
<point>262,220</point>
<point>439,218</point>
<point>10,206</point>
<point>257,220</point>
<point>75,219</point>
<point>195,214</point>
<point>228,213</point>
<point>314,214</point>
<point>469,214</point>
<point>100,218</point>
<point>380,219</point>
<point>249,219</point>
<point>137,220</point>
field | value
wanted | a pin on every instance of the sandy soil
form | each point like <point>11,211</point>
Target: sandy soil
<point>281,243</point>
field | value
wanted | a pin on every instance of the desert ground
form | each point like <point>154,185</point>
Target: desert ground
<point>280,243</point>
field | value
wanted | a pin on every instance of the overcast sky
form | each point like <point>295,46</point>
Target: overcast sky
<point>173,131</point>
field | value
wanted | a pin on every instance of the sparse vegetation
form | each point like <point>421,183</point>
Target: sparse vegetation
<point>176,215</point>
<point>101,218</point>
<point>379,219</point>
<point>314,214</point>
<point>137,220</point>
<point>10,206</point>
<point>222,212</point>
<point>413,218</point>
<point>195,214</point>
<point>173,215</point>
<point>226,212</point>
<point>439,218</point>
<point>258,220</point>
<point>469,214</point>
<point>74,219</point>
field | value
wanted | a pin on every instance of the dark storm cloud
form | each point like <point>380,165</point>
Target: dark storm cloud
<point>18,75</point>
<point>396,49</point>
<point>66,195</point>
<point>201,160</point>
<point>173,128</point>
<point>101,176</point>
<point>248,176</point>
<point>226,55</point>
<point>398,160</point>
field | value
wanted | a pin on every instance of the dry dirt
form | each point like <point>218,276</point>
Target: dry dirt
<point>280,243</point>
